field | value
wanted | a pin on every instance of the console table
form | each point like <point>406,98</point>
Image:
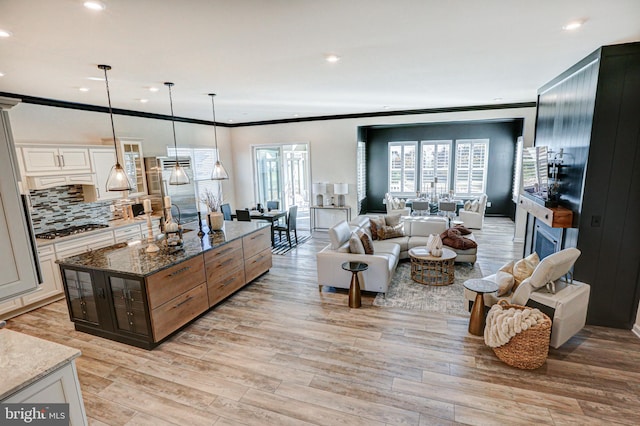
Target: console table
<point>344,210</point>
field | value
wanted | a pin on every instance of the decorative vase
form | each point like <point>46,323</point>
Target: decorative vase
<point>216,221</point>
<point>434,245</point>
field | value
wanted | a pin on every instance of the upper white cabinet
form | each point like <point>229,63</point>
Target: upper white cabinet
<point>133,163</point>
<point>17,257</point>
<point>102,159</point>
<point>39,160</point>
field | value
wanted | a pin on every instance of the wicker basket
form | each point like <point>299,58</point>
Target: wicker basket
<point>529,349</point>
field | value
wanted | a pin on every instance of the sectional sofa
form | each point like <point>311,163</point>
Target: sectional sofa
<point>383,262</point>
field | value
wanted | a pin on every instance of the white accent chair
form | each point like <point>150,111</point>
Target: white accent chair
<point>392,207</point>
<point>474,219</point>
<point>566,305</point>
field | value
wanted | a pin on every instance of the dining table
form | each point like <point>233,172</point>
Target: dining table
<point>272,216</point>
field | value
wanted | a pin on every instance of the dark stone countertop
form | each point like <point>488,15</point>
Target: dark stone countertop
<point>134,260</point>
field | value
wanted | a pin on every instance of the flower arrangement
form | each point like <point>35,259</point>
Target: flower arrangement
<point>211,200</point>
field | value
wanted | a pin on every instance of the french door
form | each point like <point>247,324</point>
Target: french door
<point>282,174</point>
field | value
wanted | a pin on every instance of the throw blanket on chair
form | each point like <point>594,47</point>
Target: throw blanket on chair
<point>503,324</point>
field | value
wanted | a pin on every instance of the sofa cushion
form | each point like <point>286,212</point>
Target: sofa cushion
<point>387,232</point>
<point>367,243</point>
<point>392,219</point>
<point>355,245</point>
<point>344,248</point>
<point>554,267</point>
<point>339,234</point>
<point>423,228</point>
<point>387,247</point>
<point>505,282</point>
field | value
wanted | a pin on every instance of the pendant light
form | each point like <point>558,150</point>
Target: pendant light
<point>178,174</point>
<point>118,179</point>
<point>218,173</point>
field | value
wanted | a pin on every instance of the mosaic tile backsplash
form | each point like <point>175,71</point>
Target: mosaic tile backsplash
<point>62,206</point>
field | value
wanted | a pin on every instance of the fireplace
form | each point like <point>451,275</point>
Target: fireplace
<point>546,240</point>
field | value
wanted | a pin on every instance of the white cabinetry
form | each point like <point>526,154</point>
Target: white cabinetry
<point>51,283</point>
<point>83,244</point>
<point>128,233</point>
<point>53,159</point>
<point>17,261</point>
<point>102,160</point>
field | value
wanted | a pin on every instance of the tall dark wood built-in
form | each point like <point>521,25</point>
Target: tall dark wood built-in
<point>589,116</point>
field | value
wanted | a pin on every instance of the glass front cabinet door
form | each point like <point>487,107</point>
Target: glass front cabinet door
<point>128,305</point>
<point>133,159</point>
<point>81,296</point>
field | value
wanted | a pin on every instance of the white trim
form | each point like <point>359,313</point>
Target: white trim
<point>636,330</point>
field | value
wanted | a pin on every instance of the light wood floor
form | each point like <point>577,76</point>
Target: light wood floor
<point>278,352</point>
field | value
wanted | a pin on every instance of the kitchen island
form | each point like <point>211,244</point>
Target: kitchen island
<point>123,293</point>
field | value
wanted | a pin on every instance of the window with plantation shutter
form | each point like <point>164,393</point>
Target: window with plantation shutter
<point>402,168</point>
<point>361,173</point>
<point>472,157</point>
<point>435,164</point>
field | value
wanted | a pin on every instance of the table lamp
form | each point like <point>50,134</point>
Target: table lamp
<point>319,189</point>
<point>341,189</point>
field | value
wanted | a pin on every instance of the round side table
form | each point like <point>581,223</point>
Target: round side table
<point>480,287</point>
<point>354,288</point>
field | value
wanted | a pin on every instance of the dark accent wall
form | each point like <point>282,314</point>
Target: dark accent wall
<point>502,135</point>
<point>592,112</point>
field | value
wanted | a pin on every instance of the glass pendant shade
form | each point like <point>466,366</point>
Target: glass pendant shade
<point>178,174</point>
<point>218,172</point>
<point>118,179</point>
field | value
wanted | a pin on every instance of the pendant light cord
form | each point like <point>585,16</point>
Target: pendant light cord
<point>173,123</point>
<point>215,132</point>
<point>113,129</point>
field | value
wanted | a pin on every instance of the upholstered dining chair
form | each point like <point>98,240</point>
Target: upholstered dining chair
<point>290,225</point>
<point>226,211</point>
<point>243,216</point>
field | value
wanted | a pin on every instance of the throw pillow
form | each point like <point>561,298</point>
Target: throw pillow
<point>355,245</point>
<point>467,205</point>
<point>387,232</point>
<point>475,206</point>
<point>365,239</point>
<point>375,223</point>
<point>463,229</point>
<point>392,220</point>
<point>508,267</point>
<point>452,238</point>
<point>523,268</point>
<point>505,282</point>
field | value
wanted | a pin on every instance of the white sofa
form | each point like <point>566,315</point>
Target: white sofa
<point>394,207</point>
<point>387,253</point>
<point>567,307</point>
<point>474,219</point>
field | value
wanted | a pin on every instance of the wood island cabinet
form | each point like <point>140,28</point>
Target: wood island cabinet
<point>144,310</point>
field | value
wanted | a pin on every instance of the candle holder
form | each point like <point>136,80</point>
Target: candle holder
<point>200,232</point>
<point>151,245</point>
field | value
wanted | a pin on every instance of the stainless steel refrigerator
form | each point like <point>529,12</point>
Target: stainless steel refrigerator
<point>183,197</point>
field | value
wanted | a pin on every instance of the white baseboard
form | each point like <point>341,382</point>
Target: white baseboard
<point>636,330</point>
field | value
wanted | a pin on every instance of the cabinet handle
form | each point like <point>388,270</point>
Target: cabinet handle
<point>228,281</point>
<point>225,250</point>
<point>183,302</point>
<point>101,293</point>
<point>98,192</point>
<point>62,160</point>
<point>226,262</point>
<point>179,271</point>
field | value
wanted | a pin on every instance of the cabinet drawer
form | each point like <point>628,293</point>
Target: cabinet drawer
<point>257,265</point>
<point>128,233</point>
<point>223,263</point>
<point>223,286</point>
<point>83,244</point>
<point>223,250</point>
<point>253,244</point>
<point>178,311</point>
<point>167,284</point>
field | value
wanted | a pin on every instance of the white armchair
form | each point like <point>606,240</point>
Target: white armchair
<point>393,207</point>
<point>474,219</point>
<point>566,304</point>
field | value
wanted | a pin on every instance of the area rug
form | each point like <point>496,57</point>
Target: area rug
<point>405,293</point>
<point>281,246</point>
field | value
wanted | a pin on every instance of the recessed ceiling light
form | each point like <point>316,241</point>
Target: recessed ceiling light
<point>5,33</point>
<point>153,89</point>
<point>497,99</point>
<point>95,78</point>
<point>296,115</point>
<point>94,5</point>
<point>144,101</point>
<point>332,58</point>
<point>1,74</point>
<point>574,25</point>
<point>386,107</point>
<point>84,89</point>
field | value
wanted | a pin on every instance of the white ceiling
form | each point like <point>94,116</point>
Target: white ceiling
<point>265,58</point>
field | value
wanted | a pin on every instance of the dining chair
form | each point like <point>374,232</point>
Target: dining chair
<point>243,216</point>
<point>290,225</point>
<point>226,211</point>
